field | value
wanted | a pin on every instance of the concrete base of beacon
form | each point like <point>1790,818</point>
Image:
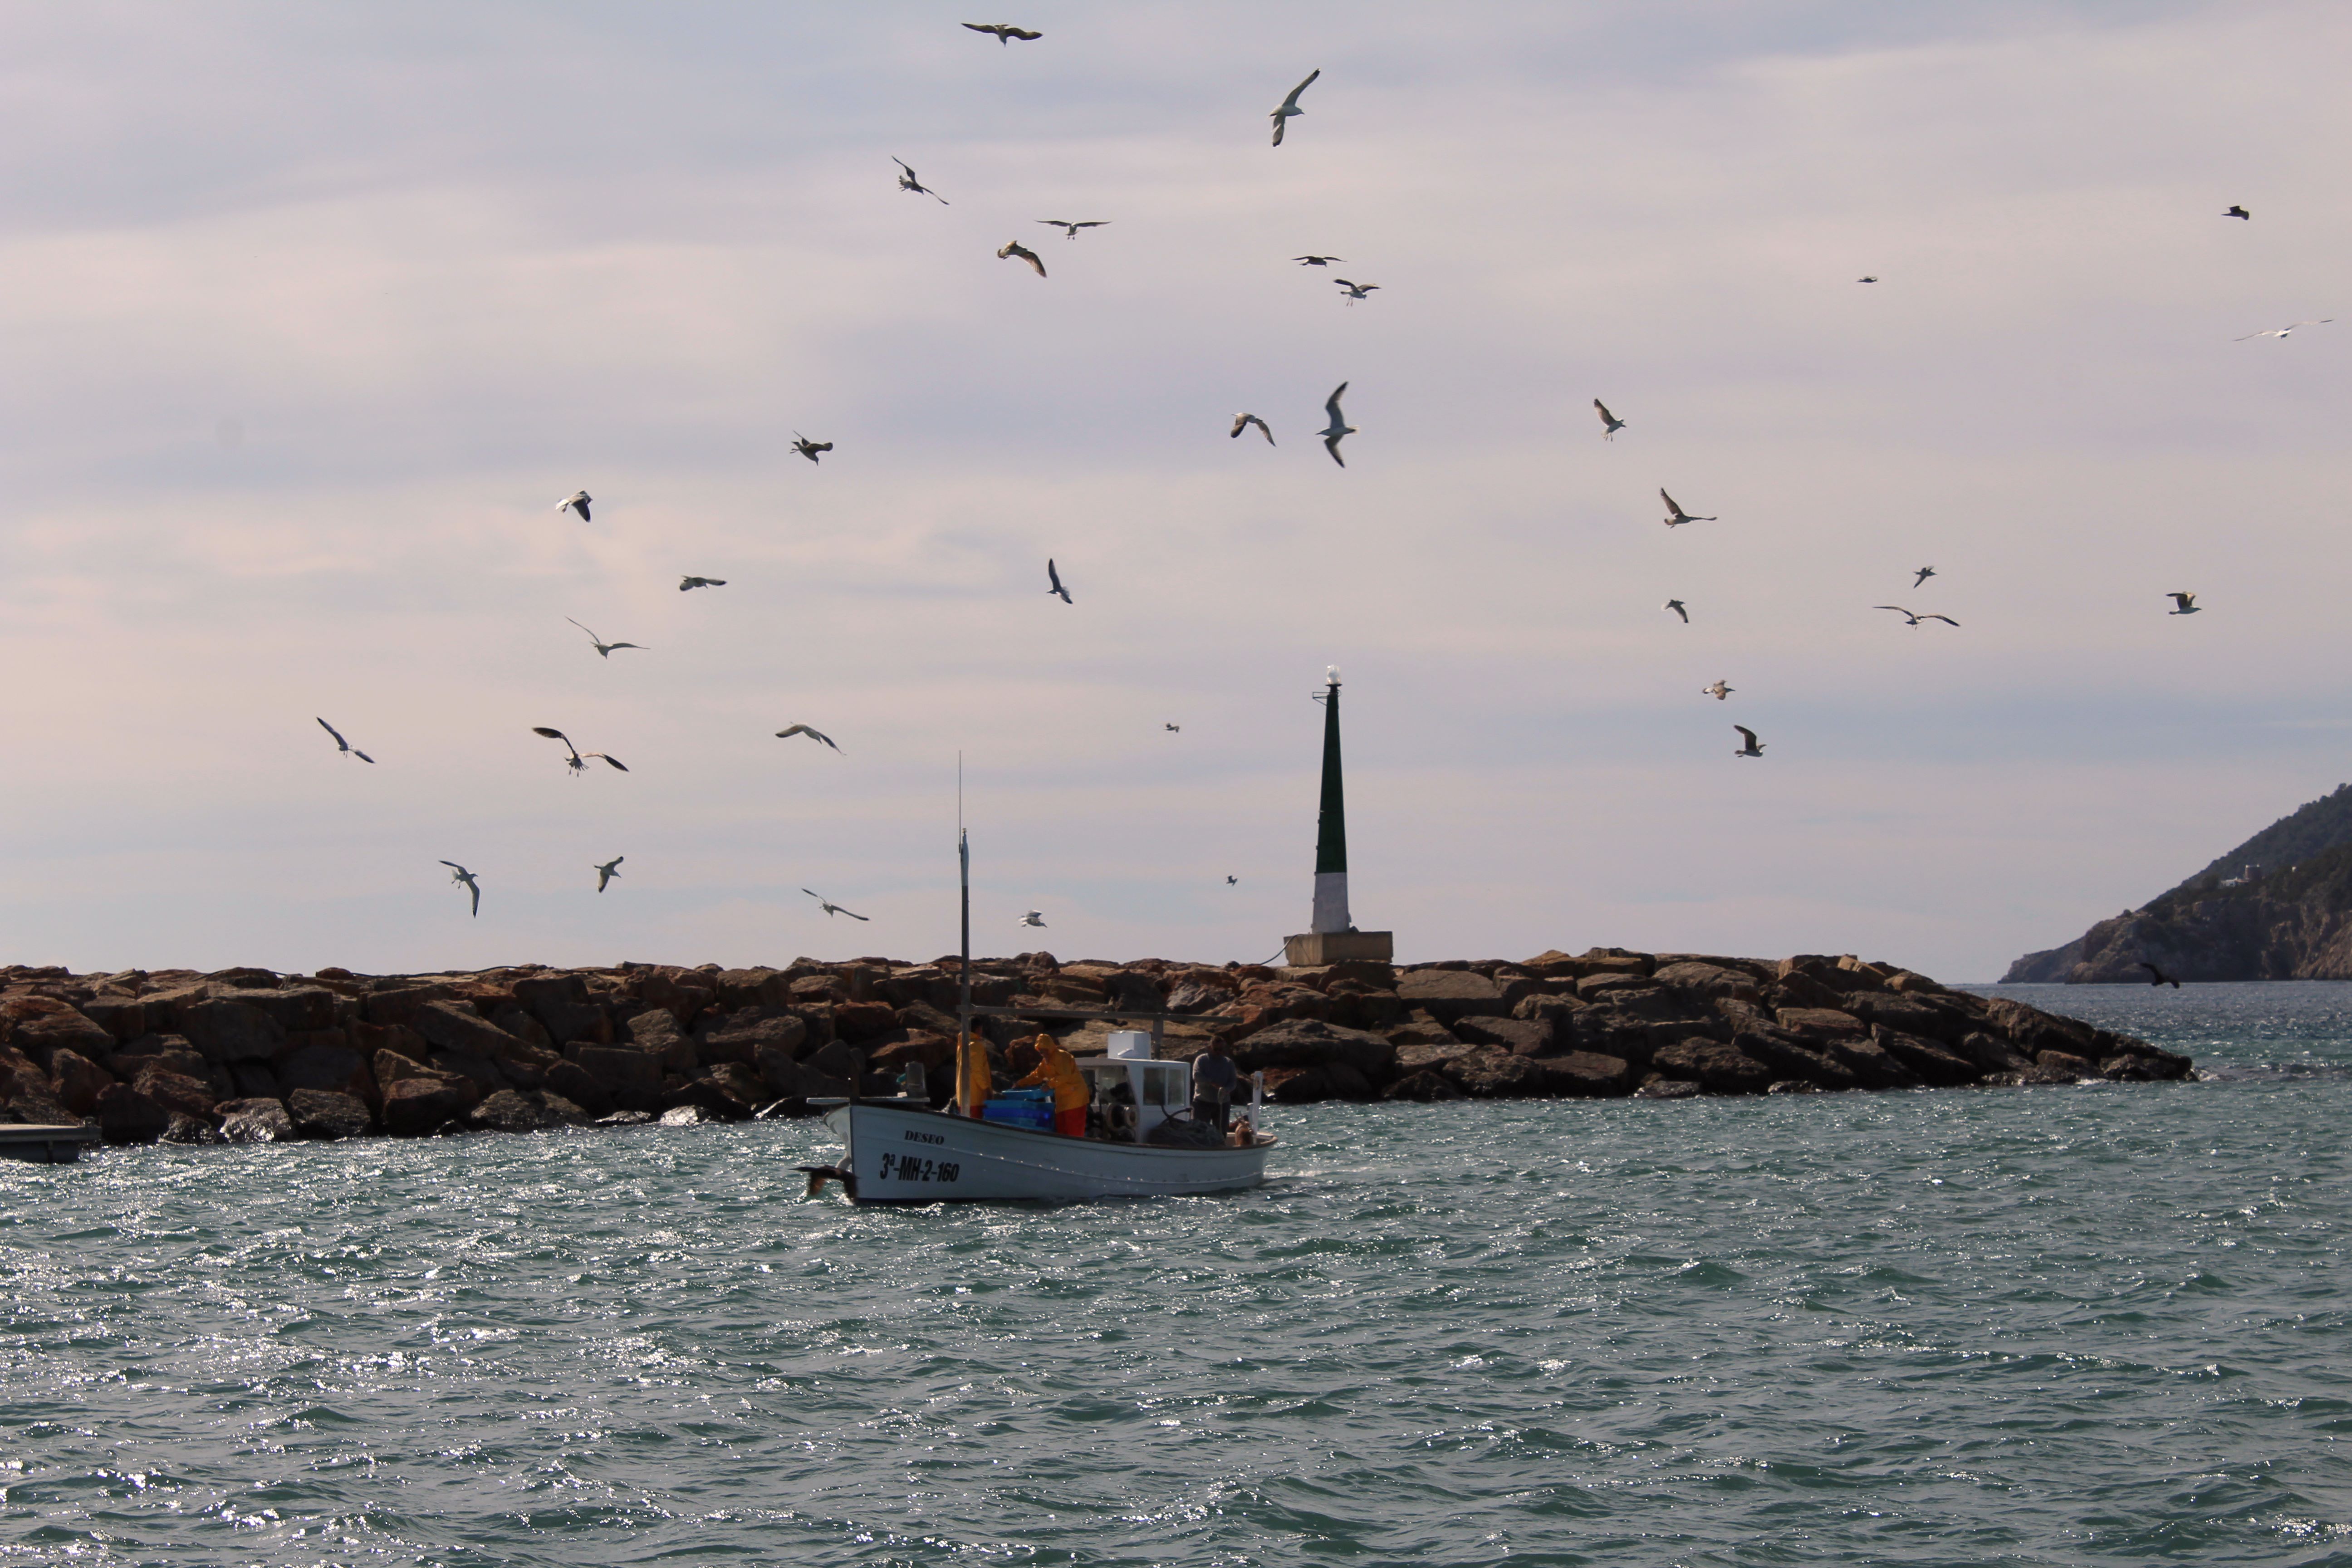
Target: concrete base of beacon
<point>1316,947</point>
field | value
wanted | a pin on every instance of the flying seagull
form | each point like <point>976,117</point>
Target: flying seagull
<point>1033,918</point>
<point>473,886</point>
<point>1676,516</point>
<point>2235,211</point>
<point>1355,290</point>
<point>1754,748</point>
<point>1290,105</point>
<point>576,502</point>
<point>1071,229</point>
<point>608,871</point>
<point>804,730</point>
<point>830,907</point>
<point>343,746</point>
<point>1909,619</point>
<point>1317,260</point>
<point>1005,31</point>
<point>1014,248</point>
<point>1718,690</point>
<point>604,650</point>
<point>2157,976</point>
<point>1610,423</point>
<point>1056,579</point>
<point>685,583</point>
<point>2188,603</point>
<point>808,449</point>
<point>1233,881</point>
<point>908,181</point>
<point>1244,421</point>
<point>1173,728</point>
<point>578,761</point>
<point>1924,572</point>
<point>1339,427</point>
<point>2283,331</point>
<point>1865,279</point>
<point>1677,607</point>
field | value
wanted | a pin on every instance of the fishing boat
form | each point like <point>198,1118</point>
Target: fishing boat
<point>1142,1140</point>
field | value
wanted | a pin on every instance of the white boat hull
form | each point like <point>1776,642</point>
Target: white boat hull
<point>899,1154</point>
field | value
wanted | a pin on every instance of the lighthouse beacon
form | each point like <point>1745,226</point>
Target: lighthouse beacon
<point>1332,936</point>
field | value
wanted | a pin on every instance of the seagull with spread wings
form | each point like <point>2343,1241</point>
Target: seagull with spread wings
<point>1924,572</point>
<point>576,502</point>
<point>1053,577</point>
<point>1317,260</point>
<point>578,761</point>
<point>2237,211</point>
<point>2283,331</point>
<point>830,907</point>
<point>1912,619</point>
<point>1291,104</point>
<point>1678,607</point>
<point>604,650</point>
<point>2187,603</point>
<point>1033,918</point>
<point>804,730</point>
<point>1005,31</point>
<point>1754,748</point>
<point>1355,290</point>
<point>1718,690</point>
<point>1676,516</point>
<point>1610,423</point>
<point>685,583</point>
<point>1244,421</point>
<point>1071,229</point>
<point>1338,428</point>
<point>471,885</point>
<point>1014,247</point>
<point>342,746</point>
<point>2157,976</point>
<point>908,181</point>
<point>808,449</point>
<point>608,871</point>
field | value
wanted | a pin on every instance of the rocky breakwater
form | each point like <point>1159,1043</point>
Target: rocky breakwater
<point>249,1056</point>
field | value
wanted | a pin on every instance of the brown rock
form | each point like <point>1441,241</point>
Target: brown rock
<point>1521,1037</point>
<point>397,1039</point>
<point>1714,1066</point>
<point>127,1116</point>
<point>118,1013</point>
<point>631,1077</point>
<point>574,1085</point>
<point>59,1028</point>
<point>1413,1059</point>
<point>1821,1022</point>
<point>561,1004</point>
<point>1310,1042</point>
<point>1450,994</point>
<point>223,1030</point>
<point>859,1022</point>
<point>185,1128</point>
<point>324,1113</point>
<point>414,1107</point>
<point>254,1120</point>
<point>1487,1073</point>
<point>455,1028</point>
<point>1424,1086</point>
<point>2064,1067</point>
<point>1710,980</point>
<point>1933,1062</point>
<point>176,1091</point>
<point>333,1069</point>
<point>1583,1074</point>
<point>76,1081</point>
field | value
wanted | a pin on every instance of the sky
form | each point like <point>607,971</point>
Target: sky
<point>314,313</point>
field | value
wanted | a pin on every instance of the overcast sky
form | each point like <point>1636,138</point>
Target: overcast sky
<point>313,314</point>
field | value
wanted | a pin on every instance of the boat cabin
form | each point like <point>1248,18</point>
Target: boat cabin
<point>1155,1090</point>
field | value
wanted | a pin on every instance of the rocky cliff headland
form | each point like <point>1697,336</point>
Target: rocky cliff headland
<point>248,1055</point>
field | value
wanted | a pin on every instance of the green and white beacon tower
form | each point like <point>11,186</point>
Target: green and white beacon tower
<point>1333,937</point>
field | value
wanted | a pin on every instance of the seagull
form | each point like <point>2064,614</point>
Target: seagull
<point>2235,211</point>
<point>1924,572</point>
<point>1014,248</point>
<point>576,502</point>
<point>1290,105</point>
<point>604,650</point>
<point>1677,607</point>
<point>2188,603</point>
<point>1338,425</point>
<point>685,583</point>
<point>808,449</point>
<point>1718,690</point>
<point>608,871</point>
<point>1355,292</point>
<point>1056,578</point>
<point>2282,332</point>
<point>1244,421</point>
<point>1005,31</point>
<point>1033,918</point>
<point>345,747</point>
<point>1676,516</point>
<point>578,761</point>
<point>1610,423</point>
<point>1071,229</point>
<point>1910,619</point>
<point>473,886</point>
<point>1233,881</point>
<point>1173,728</point>
<point>1865,279</point>
<point>830,907</point>
<point>2157,976</point>
<point>1754,748</point>
<point>908,181</point>
<point>1317,260</point>
<point>804,730</point>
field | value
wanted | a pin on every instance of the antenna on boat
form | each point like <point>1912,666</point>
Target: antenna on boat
<point>963,1096</point>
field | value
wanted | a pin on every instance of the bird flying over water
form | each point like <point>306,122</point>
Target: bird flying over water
<point>804,730</point>
<point>578,761</point>
<point>1233,881</point>
<point>908,181</point>
<point>2283,331</point>
<point>1317,260</point>
<point>1676,516</point>
<point>1005,31</point>
<point>467,877</point>
<point>1677,607</point>
<point>1173,728</point>
<point>830,907</point>
<point>808,449</point>
<point>2157,976</point>
<point>1718,690</point>
<point>608,871</point>
<point>1338,428</point>
<point>1033,918</point>
<point>685,583</point>
<point>604,650</point>
<point>1924,572</point>
<point>1291,104</point>
<point>1071,229</point>
<point>2188,603</point>
<point>1354,291</point>
<point>1014,248</point>
<point>1754,748</point>
<point>1056,579</point>
<point>342,746</point>
<point>1610,423</point>
<point>2237,211</point>
<point>1243,422</point>
<point>1910,619</point>
<point>576,502</point>
<point>1865,279</point>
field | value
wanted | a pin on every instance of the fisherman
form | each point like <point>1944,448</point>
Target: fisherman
<point>1058,1070</point>
<point>1214,1077</point>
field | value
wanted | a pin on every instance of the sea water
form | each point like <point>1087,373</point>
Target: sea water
<point>2091,1324</point>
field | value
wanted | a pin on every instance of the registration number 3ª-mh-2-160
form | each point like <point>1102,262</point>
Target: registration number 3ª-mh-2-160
<point>909,1168</point>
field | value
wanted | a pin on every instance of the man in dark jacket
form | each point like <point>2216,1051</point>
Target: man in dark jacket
<point>1214,1077</point>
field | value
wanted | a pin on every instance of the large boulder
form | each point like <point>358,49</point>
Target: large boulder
<point>127,1116</point>
<point>1521,1037</point>
<point>254,1120</point>
<point>1447,994</point>
<point>56,1027</point>
<point>1911,1015</point>
<point>514,1111</point>
<point>1424,1087</point>
<point>1311,1042</point>
<point>577,1086</point>
<point>177,1092</point>
<point>1709,979</point>
<point>78,1080</point>
<point>738,1036</point>
<point>1933,1063</point>
<point>561,1003</point>
<point>1489,1073</point>
<point>656,1030</point>
<point>225,1029</point>
<point>118,1013</point>
<point>1715,1066</point>
<point>414,1107</point>
<point>1581,1073</point>
<point>324,1113</point>
<point>456,1027</point>
<point>336,1070</point>
<point>631,1078</point>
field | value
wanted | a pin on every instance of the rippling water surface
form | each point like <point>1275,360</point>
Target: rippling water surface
<point>2044,1326</point>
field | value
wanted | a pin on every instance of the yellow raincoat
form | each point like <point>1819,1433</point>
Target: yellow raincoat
<point>1058,1070</point>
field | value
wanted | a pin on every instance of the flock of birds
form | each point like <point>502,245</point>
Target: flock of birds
<point>1335,430</point>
